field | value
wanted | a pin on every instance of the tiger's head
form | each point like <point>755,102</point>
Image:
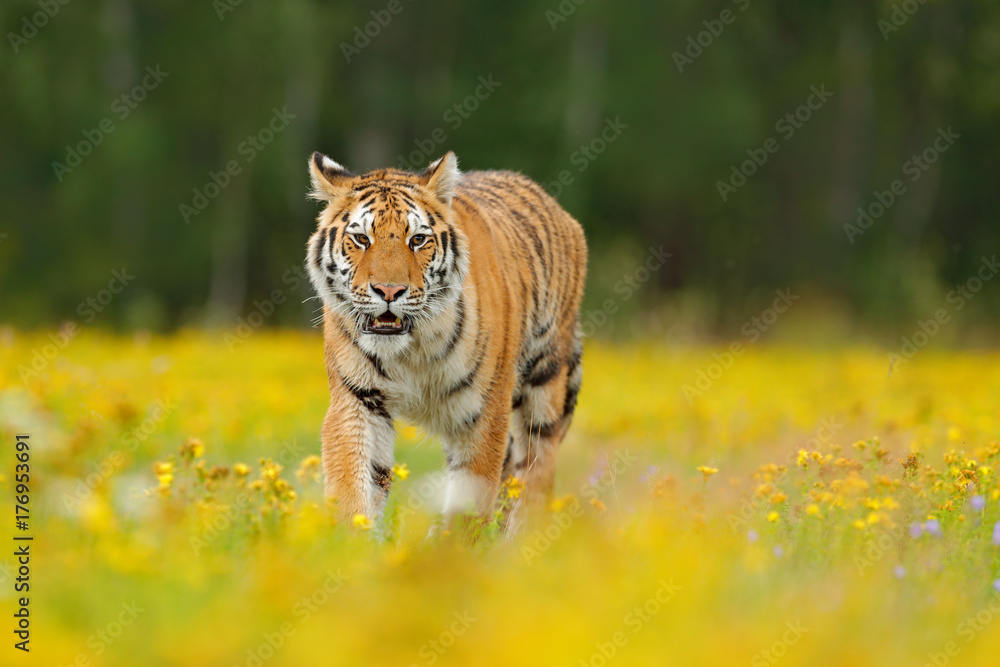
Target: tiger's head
<point>386,254</point>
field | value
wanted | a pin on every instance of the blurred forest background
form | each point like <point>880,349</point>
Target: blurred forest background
<point>155,99</point>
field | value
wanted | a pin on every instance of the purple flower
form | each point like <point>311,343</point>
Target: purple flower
<point>899,571</point>
<point>996,585</point>
<point>977,503</point>
<point>652,471</point>
<point>933,526</point>
<point>752,534</point>
<point>996,534</point>
<point>916,530</point>
<point>778,552</point>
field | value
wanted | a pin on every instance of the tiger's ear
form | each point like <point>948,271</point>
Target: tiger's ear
<point>329,179</point>
<point>442,176</point>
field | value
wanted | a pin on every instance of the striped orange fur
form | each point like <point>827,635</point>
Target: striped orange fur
<point>450,300</point>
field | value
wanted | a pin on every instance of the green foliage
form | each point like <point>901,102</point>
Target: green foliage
<point>563,71</point>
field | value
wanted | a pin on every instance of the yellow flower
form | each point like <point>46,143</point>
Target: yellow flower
<point>558,504</point>
<point>813,510</point>
<point>513,486</point>
<point>401,471</point>
<point>859,524</point>
<point>163,467</point>
<point>764,490</point>
<point>803,458</point>
<point>779,498</point>
<point>193,448</point>
<point>707,471</point>
<point>598,505</point>
<point>361,521</point>
<point>773,516</point>
<point>954,434</point>
<point>241,469</point>
<point>270,470</point>
<point>309,469</point>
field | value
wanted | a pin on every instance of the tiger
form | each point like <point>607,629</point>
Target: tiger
<point>450,301</point>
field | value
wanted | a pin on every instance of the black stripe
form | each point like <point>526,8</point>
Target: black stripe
<point>455,255</point>
<point>374,361</point>
<point>317,259</point>
<point>370,357</point>
<point>574,360</point>
<point>539,246</point>
<point>472,420</point>
<point>569,405</point>
<point>545,375</point>
<point>529,369</point>
<point>373,399</point>
<point>382,476</point>
<point>444,246</point>
<point>544,329</point>
<point>544,430</point>
<point>468,379</point>
<point>453,341</point>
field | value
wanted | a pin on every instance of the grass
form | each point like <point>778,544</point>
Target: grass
<point>808,507</point>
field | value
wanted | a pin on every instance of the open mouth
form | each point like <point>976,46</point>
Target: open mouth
<point>386,324</point>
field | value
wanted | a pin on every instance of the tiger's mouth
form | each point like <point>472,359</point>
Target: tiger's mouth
<point>386,324</point>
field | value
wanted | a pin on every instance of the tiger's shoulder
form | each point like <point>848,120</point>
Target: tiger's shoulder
<point>515,201</point>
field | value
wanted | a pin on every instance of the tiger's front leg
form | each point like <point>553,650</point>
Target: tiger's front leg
<point>358,438</point>
<point>475,453</point>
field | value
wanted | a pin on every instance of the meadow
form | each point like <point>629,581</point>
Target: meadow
<point>793,506</point>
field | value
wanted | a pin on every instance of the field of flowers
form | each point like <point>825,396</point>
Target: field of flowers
<point>792,506</point>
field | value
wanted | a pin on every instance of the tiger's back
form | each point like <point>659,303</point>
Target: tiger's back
<point>541,258</point>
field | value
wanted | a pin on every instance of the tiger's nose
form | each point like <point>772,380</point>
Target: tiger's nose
<point>389,292</point>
